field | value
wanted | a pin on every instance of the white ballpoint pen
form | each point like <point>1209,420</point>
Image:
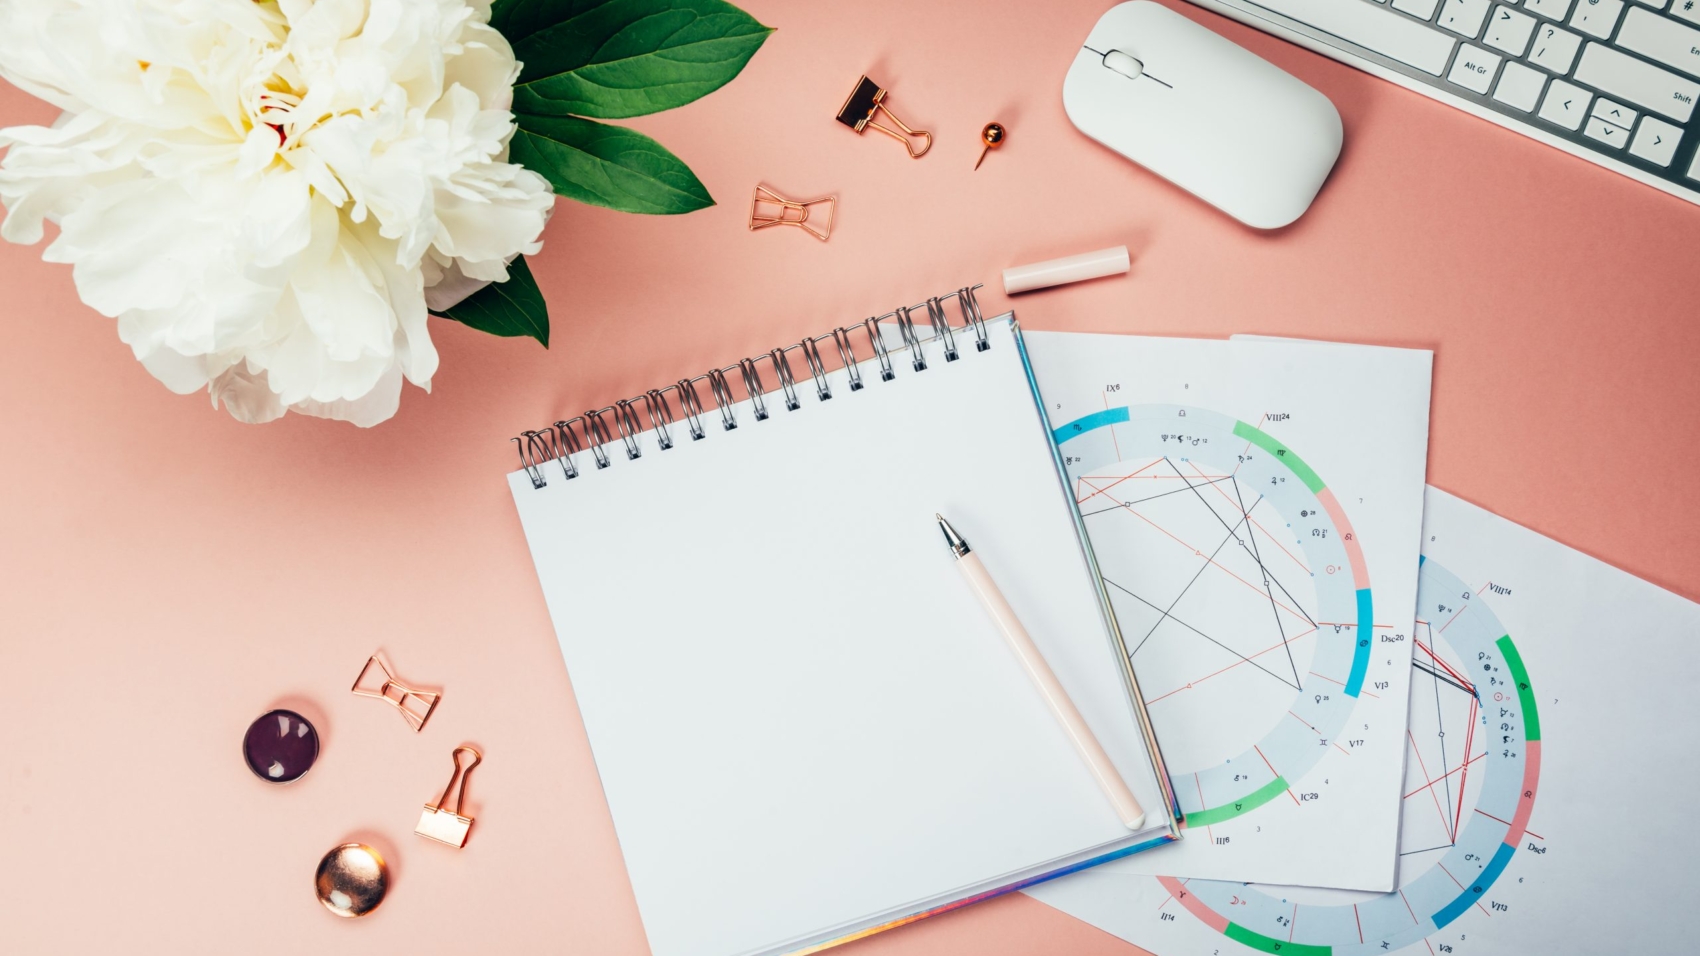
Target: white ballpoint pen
<point>1062,707</point>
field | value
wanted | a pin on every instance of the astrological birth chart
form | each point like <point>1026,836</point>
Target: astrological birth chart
<point>1272,656</point>
<point>1524,743</point>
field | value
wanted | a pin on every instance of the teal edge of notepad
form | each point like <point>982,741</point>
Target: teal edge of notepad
<point>1053,440</point>
<point>981,897</point>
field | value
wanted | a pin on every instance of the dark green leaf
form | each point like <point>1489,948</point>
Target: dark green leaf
<point>606,165</point>
<point>617,58</point>
<point>514,307</point>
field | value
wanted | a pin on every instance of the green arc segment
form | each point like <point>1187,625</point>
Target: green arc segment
<point>1269,944</point>
<point>1282,453</point>
<point>1228,811</point>
<point>1525,690</point>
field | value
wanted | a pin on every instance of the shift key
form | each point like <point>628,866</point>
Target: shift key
<point>1637,81</point>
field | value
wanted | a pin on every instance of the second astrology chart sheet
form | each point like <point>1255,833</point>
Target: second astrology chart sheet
<point>1552,702</point>
<point>1255,508</point>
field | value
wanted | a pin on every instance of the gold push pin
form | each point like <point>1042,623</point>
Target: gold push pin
<point>993,136</point>
<point>858,114</point>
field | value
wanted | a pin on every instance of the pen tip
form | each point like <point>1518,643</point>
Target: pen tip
<point>939,516</point>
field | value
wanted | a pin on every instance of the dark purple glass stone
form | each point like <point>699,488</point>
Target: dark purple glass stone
<point>280,746</point>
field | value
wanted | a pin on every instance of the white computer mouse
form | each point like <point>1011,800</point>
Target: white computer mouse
<point>1205,114</point>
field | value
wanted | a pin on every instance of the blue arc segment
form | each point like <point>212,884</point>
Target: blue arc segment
<point>1366,637</point>
<point>1456,908</point>
<point>1109,416</point>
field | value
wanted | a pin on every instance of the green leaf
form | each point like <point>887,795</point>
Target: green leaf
<point>617,58</point>
<point>514,307</point>
<point>607,165</point>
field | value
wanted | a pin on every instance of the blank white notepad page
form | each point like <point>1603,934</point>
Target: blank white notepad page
<point>803,722</point>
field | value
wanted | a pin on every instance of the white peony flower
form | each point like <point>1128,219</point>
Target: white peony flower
<point>266,195</point>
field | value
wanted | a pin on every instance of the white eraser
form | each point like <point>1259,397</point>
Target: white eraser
<point>1087,265</point>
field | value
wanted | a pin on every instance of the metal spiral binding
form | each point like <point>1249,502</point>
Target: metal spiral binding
<point>566,439</point>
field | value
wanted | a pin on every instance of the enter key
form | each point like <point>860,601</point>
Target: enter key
<point>1623,77</point>
<point>1661,39</point>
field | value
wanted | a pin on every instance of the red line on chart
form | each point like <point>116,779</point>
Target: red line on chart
<point>1408,907</point>
<point>1492,817</point>
<point>1342,750</point>
<point>1444,776</point>
<point>1277,773</point>
<point>1454,617</point>
<point>1424,769</point>
<point>1113,429</point>
<point>1112,484</point>
<point>1342,684</point>
<point>1444,666</point>
<point>1247,450</point>
<point>1534,834</point>
<point>1293,922</point>
<point>1469,739</point>
<point>1254,588</point>
<point>1360,922</point>
<point>1266,533</point>
<point>1190,684</point>
<point>1448,872</point>
<point>1429,945</point>
<point>1302,721</point>
<point>1201,803</point>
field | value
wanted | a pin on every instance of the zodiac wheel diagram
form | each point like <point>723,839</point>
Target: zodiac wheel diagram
<point>1220,524</point>
<point>1467,806</point>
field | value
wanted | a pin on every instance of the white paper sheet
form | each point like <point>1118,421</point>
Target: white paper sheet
<point>1527,830</point>
<point>803,722</point>
<point>1256,507</point>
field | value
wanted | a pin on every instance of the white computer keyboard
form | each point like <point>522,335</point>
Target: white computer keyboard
<point>1611,81</point>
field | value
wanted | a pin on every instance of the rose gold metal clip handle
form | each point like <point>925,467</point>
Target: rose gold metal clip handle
<point>858,114</point>
<point>415,706</point>
<point>439,821</point>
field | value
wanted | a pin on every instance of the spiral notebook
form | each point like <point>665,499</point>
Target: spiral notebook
<point>806,728</point>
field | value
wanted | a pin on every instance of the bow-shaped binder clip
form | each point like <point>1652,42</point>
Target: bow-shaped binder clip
<point>791,213</point>
<point>442,824</point>
<point>858,114</point>
<point>415,705</point>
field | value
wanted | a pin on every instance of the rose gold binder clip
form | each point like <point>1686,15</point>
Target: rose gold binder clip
<point>415,705</point>
<point>442,824</point>
<point>858,114</point>
<point>790,213</point>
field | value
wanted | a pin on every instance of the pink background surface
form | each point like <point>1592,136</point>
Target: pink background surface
<point>170,574</point>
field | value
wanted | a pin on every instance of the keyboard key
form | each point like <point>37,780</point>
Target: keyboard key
<point>1509,30</point>
<point>1656,141</point>
<point>1686,9</point>
<point>1597,18</point>
<point>1614,113</point>
<point>1661,39</point>
<point>1655,4</point>
<point>1566,104</point>
<point>1519,87</point>
<point>1694,167</point>
<point>1373,28</point>
<point>1473,68</point>
<point>1551,9</point>
<point>1464,17</point>
<point>1555,49</point>
<point>1624,77</point>
<point>1613,136</point>
<point>1421,9</point>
